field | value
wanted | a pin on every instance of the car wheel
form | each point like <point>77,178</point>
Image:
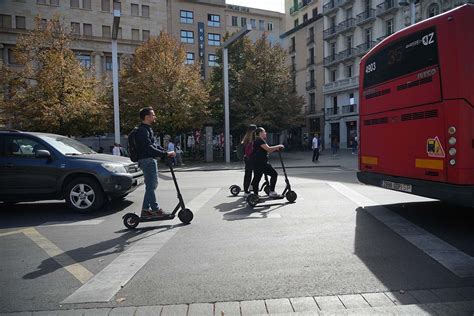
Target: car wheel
<point>84,195</point>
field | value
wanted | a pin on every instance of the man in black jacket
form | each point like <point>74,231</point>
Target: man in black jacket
<point>148,150</point>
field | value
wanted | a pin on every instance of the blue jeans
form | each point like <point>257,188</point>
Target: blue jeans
<point>150,173</point>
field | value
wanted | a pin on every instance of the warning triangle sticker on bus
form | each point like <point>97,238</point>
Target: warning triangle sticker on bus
<point>434,148</point>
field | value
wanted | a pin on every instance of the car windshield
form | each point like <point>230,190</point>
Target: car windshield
<point>66,145</point>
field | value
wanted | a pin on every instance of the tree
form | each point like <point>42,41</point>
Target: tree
<point>260,87</point>
<point>157,76</point>
<point>52,92</point>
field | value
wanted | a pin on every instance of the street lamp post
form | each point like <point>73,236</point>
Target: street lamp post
<point>226,45</point>
<point>412,4</point>
<point>115,28</point>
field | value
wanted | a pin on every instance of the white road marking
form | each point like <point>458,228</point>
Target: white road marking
<point>73,223</point>
<point>105,284</point>
<point>448,256</point>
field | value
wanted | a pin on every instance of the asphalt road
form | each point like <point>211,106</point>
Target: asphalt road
<point>339,237</point>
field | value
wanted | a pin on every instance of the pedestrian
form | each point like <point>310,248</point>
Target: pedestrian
<point>260,161</point>
<point>148,151</point>
<point>315,146</point>
<point>354,145</point>
<point>335,145</point>
<point>116,150</point>
<point>179,154</point>
<point>171,147</point>
<point>247,142</point>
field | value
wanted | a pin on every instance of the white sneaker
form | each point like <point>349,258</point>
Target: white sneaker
<point>273,194</point>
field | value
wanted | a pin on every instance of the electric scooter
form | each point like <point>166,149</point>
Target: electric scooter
<point>253,199</point>
<point>235,189</point>
<point>131,220</point>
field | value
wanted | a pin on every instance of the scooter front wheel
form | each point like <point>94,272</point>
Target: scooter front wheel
<point>234,190</point>
<point>185,216</point>
<point>131,220</point>
<point>252,200</point>
<point>291,196</point>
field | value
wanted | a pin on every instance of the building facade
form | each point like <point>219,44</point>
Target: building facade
<point>304,43</point>
<point>198,24</point>
<point>351,29</point>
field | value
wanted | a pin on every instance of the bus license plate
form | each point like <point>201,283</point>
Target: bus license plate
<point>397,186</point>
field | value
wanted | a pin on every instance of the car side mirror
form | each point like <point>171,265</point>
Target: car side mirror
<point>41,153</point>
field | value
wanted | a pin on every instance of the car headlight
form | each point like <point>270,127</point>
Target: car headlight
<point>114,168</point>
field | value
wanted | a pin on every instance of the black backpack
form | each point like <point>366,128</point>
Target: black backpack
<point>132,144</point>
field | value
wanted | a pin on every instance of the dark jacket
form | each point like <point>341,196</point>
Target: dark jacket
<point>146,143</point>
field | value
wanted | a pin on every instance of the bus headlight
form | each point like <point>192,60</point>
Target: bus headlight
<point>452,162</point>
<point>452,151</point>
<point>452,141</point>
<point>451,130</point>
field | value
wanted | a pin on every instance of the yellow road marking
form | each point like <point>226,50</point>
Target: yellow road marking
<point>76,269</point>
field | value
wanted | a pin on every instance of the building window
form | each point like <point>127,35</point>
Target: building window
<point>348,13</point>
<point>105,6</point>
<point>243,21</point>
<point>85,60</point>
<point>135,9</point>
<point>389,27</point>
<point>106,31</point>
<point>41,1</point>
<point>186,17</point>
<point>312,102</point>
<point>315,12</point>
<point>117,5</point>
<point>20,22</point>
<point>145,11</point>
<point>5,21</point>
<point>270,26</point>
<point>334,104</point>
<point>189,58</point>
<point>296,22</point>
<point>75,28</point>
<point>261,25</point>
<point>349,42</point>
<point>74,3</point>
<point>433,10</point>
<point>54,2</point>
<point>305,17</point>
<point>333,48</point>
<point>145,35</point>
<point>349,70</point>
<point>234,21</point>
<point>108,62</point>
<point>333,75</point>
<point>253,23</point>
<point>135,34</point>
<point>43,24</point>
<point>12,58</point>
<point>86,4</point>
<point>87,29</point>
<point>311,55</point>
<point>368,35</point>
<point>213,39</point>
<point>351,98</point>
<point>212,60</point>
<point>213,20</point>
<point>187,37</point>
<point>119,33</point>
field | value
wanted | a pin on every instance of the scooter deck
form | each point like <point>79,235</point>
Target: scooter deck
<point>156,218</point>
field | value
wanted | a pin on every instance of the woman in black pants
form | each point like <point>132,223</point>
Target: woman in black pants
<point>248,140</point>
<point>260,160</point>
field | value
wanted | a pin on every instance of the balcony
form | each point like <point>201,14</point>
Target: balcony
<point>346,54</point>
<point>331,59</point>
<point>364,48</point>
<point>310,85</point>
<point>349,109</point>
<point>346,25</point>
<point>329,6</point>
<point>310,61</point>
<point>342,3</point>
<point>381,38</point>
<point>386,7</point>
<point>365,17</point>
<point>341,85</point>
<point>291,49</point>
<point>329,32</point>
<point>303,4</point>
<point>293,10</point>
<point>310,40</point>
<point>331,111</point>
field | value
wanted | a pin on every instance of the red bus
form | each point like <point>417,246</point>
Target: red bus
<point>417,109</point>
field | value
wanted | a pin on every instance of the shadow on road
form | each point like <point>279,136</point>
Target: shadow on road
<point>239,210</point>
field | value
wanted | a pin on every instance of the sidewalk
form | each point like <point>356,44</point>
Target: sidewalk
<point>295,159</point>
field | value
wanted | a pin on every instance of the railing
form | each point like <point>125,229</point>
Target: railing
<point>331,111</point>
<point>329,6</point>
<point>386,7</point>
<point>349,109</point>
<point>328,60</point>
<point>345,25</point>
<point>311,109</point>
<point>365,17</point>
<point>363,48</point>
<point>310,40</point>
<point>293,10</point>
<point>303,4</point>
<point>346,54</point>
<point>381,38</point>
<point>344,2</point>
<point>342,84</point>
<point>329,32</point>
<point>310,85</point>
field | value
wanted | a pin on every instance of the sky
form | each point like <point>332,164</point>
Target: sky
<point>273,5</point>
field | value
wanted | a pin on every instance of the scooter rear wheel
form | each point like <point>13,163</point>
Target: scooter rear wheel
<point>185,216</point>
<point>234,190</point>
<point>291,196</point>
<point>252,200</point>
<point>131,220</point>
